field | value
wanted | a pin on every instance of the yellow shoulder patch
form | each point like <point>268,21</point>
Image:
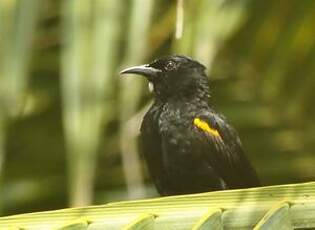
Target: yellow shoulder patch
<point>205,127</point>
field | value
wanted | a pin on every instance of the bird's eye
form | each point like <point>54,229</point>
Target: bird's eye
<point>170,65</point>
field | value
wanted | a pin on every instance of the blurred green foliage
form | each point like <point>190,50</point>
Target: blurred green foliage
<point>68,123</point>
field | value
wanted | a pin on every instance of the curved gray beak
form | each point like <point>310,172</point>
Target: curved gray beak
<point>144,70</point>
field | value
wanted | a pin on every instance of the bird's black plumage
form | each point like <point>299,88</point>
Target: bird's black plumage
<point>188,147</point>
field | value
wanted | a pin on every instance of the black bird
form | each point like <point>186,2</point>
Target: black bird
<point>188,147</point>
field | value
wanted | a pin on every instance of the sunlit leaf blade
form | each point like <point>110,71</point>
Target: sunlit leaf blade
<point>143,222</point>
<point>210,220</point>
<point>277,217</point>
<point>240,209</point>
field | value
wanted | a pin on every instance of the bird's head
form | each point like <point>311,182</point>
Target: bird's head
<point>174,75</point>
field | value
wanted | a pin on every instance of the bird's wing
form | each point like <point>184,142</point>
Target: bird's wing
<point>225,153</point>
